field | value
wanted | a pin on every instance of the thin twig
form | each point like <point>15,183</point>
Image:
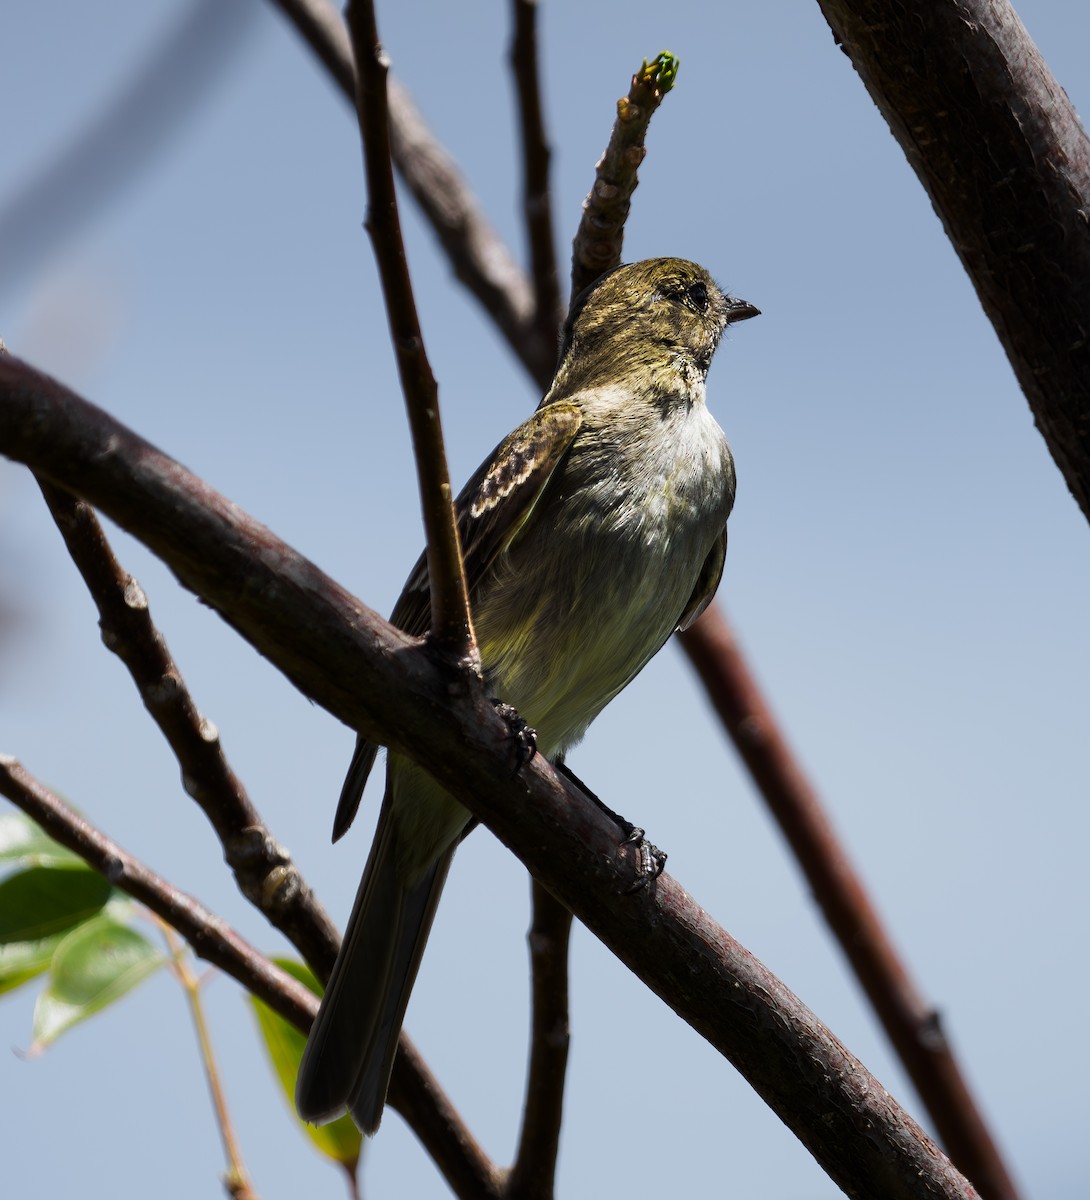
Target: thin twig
<point>451,625</point>
<point>376,679</point>
<point>413,1090</point>
<point>537,202</point>
<point>237,1181</point>
<point>911,1025</point>
<point>477,254</point>
<point>599,239</point>
<point>211,938</point>
<point>534,1172</point>
<point>263,868</point>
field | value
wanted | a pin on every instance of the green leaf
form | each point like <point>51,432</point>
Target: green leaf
<point>41,901</point>
<point>93,966</point>
<point>24,843</point>
<point>23,961</point>
<point>340,1140</point>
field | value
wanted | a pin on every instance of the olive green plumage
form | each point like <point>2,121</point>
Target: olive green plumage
<point>593,532</point>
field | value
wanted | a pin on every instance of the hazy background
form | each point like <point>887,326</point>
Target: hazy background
<point>907,570</point>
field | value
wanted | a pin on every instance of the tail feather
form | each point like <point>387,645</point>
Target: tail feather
<point>363,759</point>
<point>350,1052</point>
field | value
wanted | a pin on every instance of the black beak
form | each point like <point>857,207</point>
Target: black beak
<point>740,310</point>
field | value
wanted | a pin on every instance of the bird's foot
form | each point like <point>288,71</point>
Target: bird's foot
<point>524,737</point>
<point>650,860</point>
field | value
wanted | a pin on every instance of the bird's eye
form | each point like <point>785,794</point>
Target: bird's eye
<point>698,296</point>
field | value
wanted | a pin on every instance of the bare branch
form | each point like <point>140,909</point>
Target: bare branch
<point>477,254</point>
<point>114,143</point>
<point>911,1024</point>
<point>415,1094</point>
<point>600,236</point>
<point>211,938</point>
<point>998,146</point>
<point>537,202</point>
<point>377,680</point>
<point>534,1172</point>
<point>413,1090</point>
<point>263,869</point>
<point>451,625</point>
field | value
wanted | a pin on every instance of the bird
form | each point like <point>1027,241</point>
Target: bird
<point>593,532</point>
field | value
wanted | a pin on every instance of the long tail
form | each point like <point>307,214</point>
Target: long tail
<point>350,1052</point>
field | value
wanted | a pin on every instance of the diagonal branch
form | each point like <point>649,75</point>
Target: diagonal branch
<point>451,625</point>
<point>385,684</point>
<point>413,1090</point>
<point>427,1109</point>
<point>997,145</point>
<point>910,1024</point>
<point>263,869</point>
<point>211,938</point>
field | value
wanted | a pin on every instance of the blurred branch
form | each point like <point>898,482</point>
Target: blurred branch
<point>537,202</point>
<point>99,162</point>
<point>451,626</point>
<point>377,680</point>
<point>476,253</point>
<point>263,868</point>
<point>534,1173</point>
<point>211,938</point>
<point>600,236</point>
<point>997,145</point>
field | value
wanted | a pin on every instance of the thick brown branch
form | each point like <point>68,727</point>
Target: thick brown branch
<point>451,626</point>
<point>263,869</point>
<point>537,203</point>
<point>534,1172</point>
<point>377,680</point>
<point>999,148</point>
<point>211,938</point>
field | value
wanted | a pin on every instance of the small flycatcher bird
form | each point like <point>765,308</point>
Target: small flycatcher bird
<point>592,533</point>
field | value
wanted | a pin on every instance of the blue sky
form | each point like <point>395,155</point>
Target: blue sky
<point>907,570</point>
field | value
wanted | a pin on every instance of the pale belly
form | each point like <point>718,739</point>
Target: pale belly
<point>573,615</point>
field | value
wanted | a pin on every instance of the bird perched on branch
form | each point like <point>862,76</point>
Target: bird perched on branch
<point>593,532</point>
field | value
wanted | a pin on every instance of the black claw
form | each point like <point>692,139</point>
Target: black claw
<point>524,737</point>
<point>650,860</point>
